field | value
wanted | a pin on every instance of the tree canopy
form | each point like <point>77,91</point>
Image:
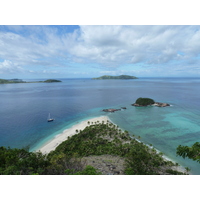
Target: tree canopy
<point>144,101</point>
<point>51,81</point>
<point>97,139</point>
<point>192,152</point>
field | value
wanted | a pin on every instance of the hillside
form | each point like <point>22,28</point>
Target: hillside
<point>5,81</point>
<point>52,81</point>
<point>101,148</point>
<point>115,77</point>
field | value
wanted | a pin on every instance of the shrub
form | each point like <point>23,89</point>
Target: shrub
<point>89,170</point>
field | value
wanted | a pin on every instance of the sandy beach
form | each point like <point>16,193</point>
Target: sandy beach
<point>58,139</point>
<point>51,145</point>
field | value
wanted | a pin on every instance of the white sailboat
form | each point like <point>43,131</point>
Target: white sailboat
<point>49,119</point>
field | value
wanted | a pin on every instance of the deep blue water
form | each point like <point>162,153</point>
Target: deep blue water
<point>24,109</point>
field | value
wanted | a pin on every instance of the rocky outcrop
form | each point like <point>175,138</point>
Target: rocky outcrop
<point>137,105</point>
<point>106,164</point>
<point>123,107</point>
<point>111,110</point>
<point>161,104</point>
<point>158,104</point>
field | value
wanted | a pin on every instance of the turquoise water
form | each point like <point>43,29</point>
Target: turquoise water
<point>25,107</point>
<point>161,128</point>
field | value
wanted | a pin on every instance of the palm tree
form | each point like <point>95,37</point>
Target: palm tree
<point>161,154</point>
<point>126,132</point>
<point>187,169</point>
<point>177,164</point>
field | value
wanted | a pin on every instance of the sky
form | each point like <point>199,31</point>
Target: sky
<point>72,51</point>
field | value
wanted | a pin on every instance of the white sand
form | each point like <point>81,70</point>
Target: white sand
<point>51,145</point>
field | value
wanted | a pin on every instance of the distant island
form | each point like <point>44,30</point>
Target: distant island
<point>52,81</point>
<point>115,77</point>
<point>140,102</point>
<point>5,81</point>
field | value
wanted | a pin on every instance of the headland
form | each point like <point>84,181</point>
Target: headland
<point>102,162</point>
<point>51,145</point>
<point>10,81</point>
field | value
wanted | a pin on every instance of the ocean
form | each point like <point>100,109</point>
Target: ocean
<point>24,108</point>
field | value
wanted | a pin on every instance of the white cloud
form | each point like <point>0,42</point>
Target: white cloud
<point>114,45</point>
<point>8,66</point>
<point>32,49</point>
<point>108,46</point>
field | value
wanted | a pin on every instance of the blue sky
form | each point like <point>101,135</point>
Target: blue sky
<point>69,51</point>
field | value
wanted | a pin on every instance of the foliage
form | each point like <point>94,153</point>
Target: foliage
<point>11,81</point>
<point>144,101</point>
<point>66,159</point>
<point>141,160</point>
<point>20,162</point>
<point>89,170</point>
<point>192,152</point>
<point>51,81</point>
<point>96,139</point>
<point>60,164</point>
<point>173,172</point>
<point>4,81</point>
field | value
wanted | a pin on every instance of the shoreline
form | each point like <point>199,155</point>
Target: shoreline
<point>179,168</point>
<point>58,139</point>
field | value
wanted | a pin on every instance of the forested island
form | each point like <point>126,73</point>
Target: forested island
<point>115,77</point>
<point>140,102</point>
<point>52,81</point>
<point>6,81</point>
<point>100,148</point>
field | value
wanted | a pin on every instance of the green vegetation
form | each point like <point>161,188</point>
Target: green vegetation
<point>3,81</point>
<point>20,162</point>
<point>51,81</point>
<point>192,152</point>
<point>173,172</point>
<point>23,162</point>
<point>115,77</point>
<point>97,139</point>
<point>144,101</point>
<point>141,161</point>
<point>89,170</point>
